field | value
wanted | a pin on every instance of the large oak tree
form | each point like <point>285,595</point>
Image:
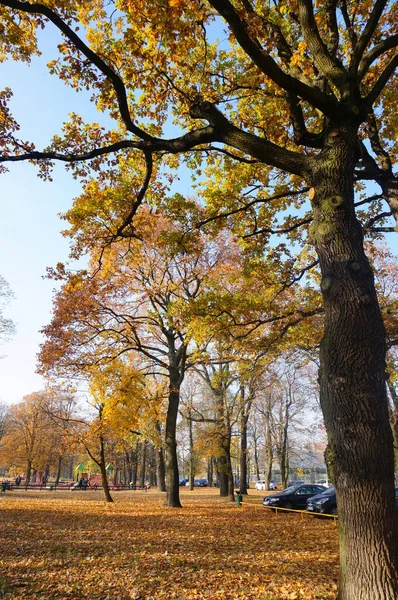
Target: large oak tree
<point>300,89</point>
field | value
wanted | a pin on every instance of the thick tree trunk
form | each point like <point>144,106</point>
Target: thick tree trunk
<point>172,477</point>
<point>352,384</point>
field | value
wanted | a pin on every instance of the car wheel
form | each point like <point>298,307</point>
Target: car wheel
<point>288,505</point>
<point>334,510</point>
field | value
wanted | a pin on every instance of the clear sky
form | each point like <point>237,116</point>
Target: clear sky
<point>30,238</point>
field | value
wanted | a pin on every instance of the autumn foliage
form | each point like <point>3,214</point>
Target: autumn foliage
<point>66,546</point>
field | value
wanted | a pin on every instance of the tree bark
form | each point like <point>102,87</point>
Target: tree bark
<point>102,466</point>
<point>172,477</point>
<point>143,463</point>
<point>191,454</point>
<point>161,471</point>
<point>59,467</point>
<point>28,472</point>
<point>245,411</point>
<point>269,453</point>
<point>352,382</point>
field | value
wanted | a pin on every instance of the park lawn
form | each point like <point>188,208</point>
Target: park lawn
<point>73,545</point>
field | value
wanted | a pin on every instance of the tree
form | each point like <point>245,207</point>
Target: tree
<point>139,303</point>
<point>27,444</point>
<point>306,90</point>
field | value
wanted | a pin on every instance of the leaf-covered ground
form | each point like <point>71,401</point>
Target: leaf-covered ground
<point>75,546</point>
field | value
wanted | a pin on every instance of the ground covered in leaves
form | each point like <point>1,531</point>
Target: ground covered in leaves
<point>73,545</point>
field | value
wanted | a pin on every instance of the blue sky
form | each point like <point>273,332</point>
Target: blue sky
<point>30,238</point>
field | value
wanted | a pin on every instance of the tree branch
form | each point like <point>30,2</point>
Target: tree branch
<point>267,65</point>
<point>107,71</point>
<point>366,36</point>
<point>381,82</point>
<point>374,53</point>
<point>329,66</point>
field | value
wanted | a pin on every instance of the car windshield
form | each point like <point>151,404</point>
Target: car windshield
<point>329,492</point>
<point>290,489</point>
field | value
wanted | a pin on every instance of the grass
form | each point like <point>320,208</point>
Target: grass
<point>75,546</point>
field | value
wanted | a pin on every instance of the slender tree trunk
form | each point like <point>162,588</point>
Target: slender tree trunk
<point>160,466</point>
<point>172,477</point>
<point>134,465</point>
<point>231,490</point>
<point>143,463</point>
<point>161,470</point>
<point>256,461</point>
<point>102,466</point>
<point>191,452</point>
<point>284,461</point>
<point>71,468</point>
<point>59,467</point>
<point>28,472</point>
<point>246,405</point>
<point>269,452</point>
<point>352,383</point>
<point>394,412</point>
<point>210,471</point>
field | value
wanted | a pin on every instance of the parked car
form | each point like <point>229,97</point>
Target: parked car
<point>183,481</point>
<point>298,482</point>
<point>201,482</point>
<point>324,482</point>
<point>294,496</point>
<point>198,483</point>
<point>324,503</point>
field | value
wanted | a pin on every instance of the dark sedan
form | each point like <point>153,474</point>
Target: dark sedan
<point>324,503</point>
<point>294,496</point>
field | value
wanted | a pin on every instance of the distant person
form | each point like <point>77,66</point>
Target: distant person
<point>18,480</point>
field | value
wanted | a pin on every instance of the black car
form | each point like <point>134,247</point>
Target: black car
<point>294,496</point>
<point>324,503</point>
